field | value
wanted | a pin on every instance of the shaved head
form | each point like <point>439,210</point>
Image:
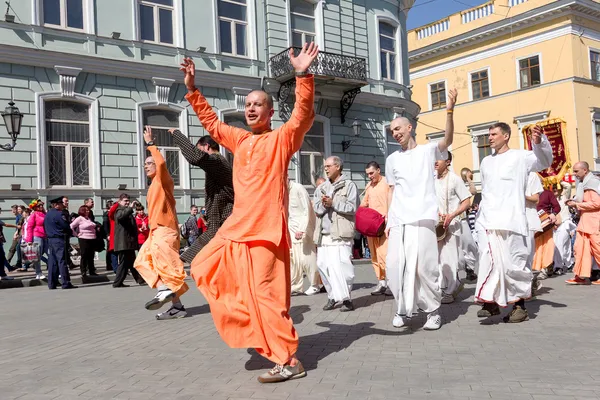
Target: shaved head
<point>264,95</point>
<point>581,169</point>
<point>402,121</point>
<point>582,165</point>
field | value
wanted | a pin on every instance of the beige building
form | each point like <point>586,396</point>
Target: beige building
<point>515,61</point>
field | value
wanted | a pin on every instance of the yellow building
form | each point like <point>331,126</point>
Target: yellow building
<point>514,61</point>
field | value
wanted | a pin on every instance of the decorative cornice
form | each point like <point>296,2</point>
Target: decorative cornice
<point>240,98</point>
<point>68,78</point>
<point>163,89</point>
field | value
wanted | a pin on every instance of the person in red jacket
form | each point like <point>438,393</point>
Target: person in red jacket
<point>111,236</point>
<point>202,222</point>
<point>141,220</point>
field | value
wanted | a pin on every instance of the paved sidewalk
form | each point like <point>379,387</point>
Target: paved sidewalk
<point>97,342</point>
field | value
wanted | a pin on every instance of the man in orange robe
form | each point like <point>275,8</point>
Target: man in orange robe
<point>587,241</point>
<point>158,260</point>
<point>244,272</point>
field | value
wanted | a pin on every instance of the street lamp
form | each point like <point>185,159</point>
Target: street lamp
<point>356,128</point>
<point>12,119</point>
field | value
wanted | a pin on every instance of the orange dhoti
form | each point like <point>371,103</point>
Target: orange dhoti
<point>378,249</point>
<point>247,285</point>
<point>158,260</point>
<point>544,250</point>
<point>586,247</point>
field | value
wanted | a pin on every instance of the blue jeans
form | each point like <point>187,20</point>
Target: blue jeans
<point>114,259</point>
<point>43,249</point>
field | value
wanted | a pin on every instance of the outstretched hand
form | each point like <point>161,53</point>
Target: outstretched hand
<point>307,55</point>
<point>536,134</point>
<point>147,134</point>
<point>189,69</point>
<point>452,96</point>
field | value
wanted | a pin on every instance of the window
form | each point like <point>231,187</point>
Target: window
<point>312,154</point>
<point>483,146</point>
<point>67,14</point>
<point>161,121</point>
<point>387,49</point>
<point>529,71</point>
<point>156,21</point>
<point>595,64</point>
<point>68,143</point>
<point>302,20</point>
<point>438,95</point>
<point>233,27</point>
<point>480,85</point>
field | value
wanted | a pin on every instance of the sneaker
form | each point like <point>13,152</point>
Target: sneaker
<point>41,277</point>
<point>379,290</point>
<point>281,373</point>
<point>330,305</point>
<point>172,313</point>
<point>398,321</point>
<point>517,315</point>
<point>434,321</point>
<point>597,283</point>
<point>542,275</point>
<point>447,298</point>
<point>471,276</point>
<point>577,281</point>
<point>312,291</point>
<point>388,292</point>
<point>559,272</point>
<point>162,297</point>
<point>347,305</point>
<point>488,310</point>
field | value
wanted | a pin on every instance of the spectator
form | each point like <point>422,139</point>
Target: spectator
<point>85,231</point>
<point>141,220</point>
<point>89,203</point>
<point>2,254</point>
<point>191,226</point>
<point>125,241</point>
<point>15,247</point>
<point>107,223</point>
<point>25,217</point>
<point>57,228</point>
<point>69,217</point>
<point>111,217</point>
<point>37,234</point>
<point>202,224</point>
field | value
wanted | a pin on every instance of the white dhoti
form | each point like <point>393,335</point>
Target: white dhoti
<point>412,268</point>
<point>469,256</point>
<point>334,259</point>
<point>562,243</point>
<point>450,254</point>
<point>503,273</point>
<point>303,262</point>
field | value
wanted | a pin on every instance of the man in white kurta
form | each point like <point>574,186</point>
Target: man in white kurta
<point>562,234</point>
<point>502,224</point>
<point>453,200</point>
<point>469,257</point>
<point>532,195</point>
<point>412,268</point>
<point>301,224</point>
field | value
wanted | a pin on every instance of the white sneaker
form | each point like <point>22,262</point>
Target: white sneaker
<point>312,290</point>
<point>434,321</point>
<point>447,298</point>
<point>162,297</point>
<point>41,277</point>
<point>398,321</point>
<point>172,313</point>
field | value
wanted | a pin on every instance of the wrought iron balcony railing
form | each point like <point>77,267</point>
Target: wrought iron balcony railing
<point>326,64</point>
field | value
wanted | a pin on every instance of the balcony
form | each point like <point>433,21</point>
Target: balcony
<point>346,73</point>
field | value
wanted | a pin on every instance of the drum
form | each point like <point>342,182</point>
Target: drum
<point>545,220</point>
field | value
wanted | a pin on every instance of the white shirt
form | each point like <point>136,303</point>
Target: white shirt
<point>411,173</point>
<point>450,192</point>
<point>503,182</point>
<point>301,215</point>
<point>534,186</point>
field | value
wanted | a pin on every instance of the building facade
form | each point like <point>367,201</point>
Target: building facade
<point>90,74</point>
<point>514,61</point>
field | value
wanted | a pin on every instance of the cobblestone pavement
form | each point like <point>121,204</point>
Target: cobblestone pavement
<point>97,342</point>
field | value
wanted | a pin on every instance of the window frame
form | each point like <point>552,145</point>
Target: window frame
<point>178,34</point>
<point>89,17</point>
<point>184,167</point>
<point>518,71</point>
<point>476,131</point>
<point>430,97</point>
<point>42,143</point>
<point>591,64</point>
<point>318,17</point>
<point>489,79</point>
<point>595,118</point>
<point>250,34</point>
<point>398,48</point>
<point>327,144</point>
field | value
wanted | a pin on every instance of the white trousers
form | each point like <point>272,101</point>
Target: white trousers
<point>412,268</point>
<point>469,253</point>
<point>334,259</point>
<point>450,252</point>
<point>303,262</point>
<point>503,273</point>
<point>562,245</point>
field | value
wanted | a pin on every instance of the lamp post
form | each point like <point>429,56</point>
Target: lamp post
<point>12,119</point>
<point>356,127</point>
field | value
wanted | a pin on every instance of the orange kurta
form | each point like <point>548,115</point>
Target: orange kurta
<point>587,241</point>
<point>158,258</point>
<point>244,272</point>
<point>376,197</point>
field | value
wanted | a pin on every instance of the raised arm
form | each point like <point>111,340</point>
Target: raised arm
<point>541,157</point>
<point>162,173</point>
<point>449,133</point>
<point>222,133</point>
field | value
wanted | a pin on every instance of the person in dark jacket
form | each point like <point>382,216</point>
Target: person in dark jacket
<point>125,241</point>
<point>58,230</point>
<point>111,258</point>
<point>218,188</point>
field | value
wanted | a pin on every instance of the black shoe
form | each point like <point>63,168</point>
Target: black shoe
<point>322,290</point>
<point>93,274</point>
<point>488,310</point>
<point>120,286</point>
<point>51,287</point>
<point>330,305</point>
<point>142,283</point>
<point>347,305</point>
<point>379,290</point>
<point>70,286</point>
<point>471,276</point>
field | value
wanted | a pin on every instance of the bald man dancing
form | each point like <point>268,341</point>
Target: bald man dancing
<point>412,261</point>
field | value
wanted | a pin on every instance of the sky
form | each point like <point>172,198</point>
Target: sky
<point>426,11</point>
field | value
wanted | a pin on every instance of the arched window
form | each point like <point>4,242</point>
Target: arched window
<point>161,120</point>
